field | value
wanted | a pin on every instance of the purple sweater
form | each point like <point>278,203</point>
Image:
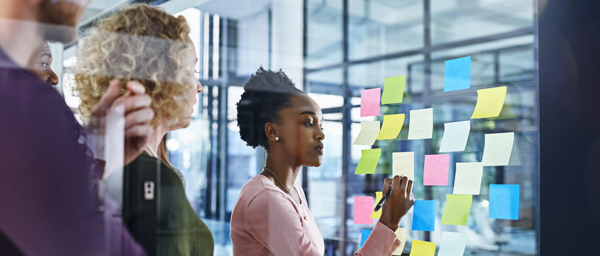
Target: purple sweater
<point>48,179</point>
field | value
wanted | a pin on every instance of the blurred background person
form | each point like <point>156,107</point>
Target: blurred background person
<point>41,64</point>
<point>146,43</point>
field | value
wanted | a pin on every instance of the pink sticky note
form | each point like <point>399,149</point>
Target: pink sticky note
<point>363,207</point>
<point>370,100</point>
<point>436,170</point>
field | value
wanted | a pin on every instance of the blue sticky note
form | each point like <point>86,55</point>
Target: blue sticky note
<point>363,237</point>
<point>504,201</point>
<point>424,215</point>
<point>457,74</point>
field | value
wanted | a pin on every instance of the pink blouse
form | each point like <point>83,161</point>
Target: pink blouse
<point>267,221</point>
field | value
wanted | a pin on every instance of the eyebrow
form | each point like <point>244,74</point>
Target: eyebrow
<point>46,54</point>
<point>308,112</point>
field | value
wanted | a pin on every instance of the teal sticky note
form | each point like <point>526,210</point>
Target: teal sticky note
<point>457,74</point>
<point>504,201</point>
<point>453,244</point>
<point>424,215</point>
<point>363,237</point>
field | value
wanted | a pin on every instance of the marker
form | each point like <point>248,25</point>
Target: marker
<point>387,194</point>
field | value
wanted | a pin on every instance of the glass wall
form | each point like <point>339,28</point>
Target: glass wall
<point>333,49</point>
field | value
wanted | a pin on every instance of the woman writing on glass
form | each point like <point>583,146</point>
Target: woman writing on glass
<point>271,216</point>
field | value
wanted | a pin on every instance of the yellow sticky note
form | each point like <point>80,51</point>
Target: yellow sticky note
<point>401,234</point>
<point>422,248</point>
<point>489,102</point>
<point>368,161</point>
<point>393,90</point>
<point>403,164</point>
<point>377,215</point>
<point>392,124</point>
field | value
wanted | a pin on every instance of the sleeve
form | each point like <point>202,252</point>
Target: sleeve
<point>382,241</point>
<point>275,223</point>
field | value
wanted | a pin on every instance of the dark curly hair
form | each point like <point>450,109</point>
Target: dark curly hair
<point>265,95</point>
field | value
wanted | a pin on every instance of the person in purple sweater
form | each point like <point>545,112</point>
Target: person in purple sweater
<point>49,175</point>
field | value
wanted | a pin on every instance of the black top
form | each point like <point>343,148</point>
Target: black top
<point>165,223</point>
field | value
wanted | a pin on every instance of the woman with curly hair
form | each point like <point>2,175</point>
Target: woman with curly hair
<point>146,44</point>
<point>271,216</point>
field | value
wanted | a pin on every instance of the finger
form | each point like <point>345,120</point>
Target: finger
<point>410,184</point>
<point>403,185</point>
<point>136,87</point>
<point>135,102</point>
<point>107,99</point>
<point>396,182</point>
<point>387,184</point>
<point>140,131</point>
<point>143,116</point>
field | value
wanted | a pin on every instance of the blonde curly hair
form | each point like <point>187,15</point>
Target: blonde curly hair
<point>141,43</point>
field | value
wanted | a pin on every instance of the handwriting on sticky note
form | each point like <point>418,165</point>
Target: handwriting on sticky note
<point>402,235</point>
<point>368,133</point>
<point>424,215</point>
<point>421,124</point>
<point>363,236</point>
<point>504,201</point>
<point>489,102</point>
<point>498,148</point>
<point>467,180</point>
<point>377,215</point>
<point>457,74</point>
<point>436,170</point>
<point>457,209</point>
<point>368,161</point>
<point>456,135</point>
<point>422,248</point>
<point>393,90</point>
<point>392,124</point>
<point>369,102</point>
<point>403,164</point>
<point>453,244</point>
<point>363,206</point>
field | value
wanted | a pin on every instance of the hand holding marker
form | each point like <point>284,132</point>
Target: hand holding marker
<point>387,194</point>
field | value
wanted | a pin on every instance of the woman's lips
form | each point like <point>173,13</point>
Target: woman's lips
<point>319,149</point>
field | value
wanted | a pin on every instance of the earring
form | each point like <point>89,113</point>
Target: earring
<point>277,138</point>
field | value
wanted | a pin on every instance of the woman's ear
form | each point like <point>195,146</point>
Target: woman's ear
<point>271,131</point>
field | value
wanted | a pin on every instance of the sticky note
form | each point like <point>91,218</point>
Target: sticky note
<point>376,215</point>
<point>467,180</point>
<point>457,209</point>
<point>363,206</point>
<point>392,124</point>
<point>498,148</point>
<point>489,102</point>
<point>403,164</point>
<point>368,161</point>
<point>422,248</point>
<point>453,244</point>
<point>421,124</point>
<point>455,136</point>
<point>401,234</point>
<point>424,215</point>
<point>393,90</point>
<point>457,74</point>
<point>363,236</point>
<point>504,201</point>
<point>368,133</point>
<point>436,170</point>
<point>370,102</point>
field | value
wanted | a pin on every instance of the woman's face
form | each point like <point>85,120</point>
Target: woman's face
<point>301,131</point>
<point>193,87</point>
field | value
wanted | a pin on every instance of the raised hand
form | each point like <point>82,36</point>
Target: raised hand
<point>398,203</point>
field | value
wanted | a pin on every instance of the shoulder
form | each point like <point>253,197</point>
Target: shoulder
<point>260,191</point>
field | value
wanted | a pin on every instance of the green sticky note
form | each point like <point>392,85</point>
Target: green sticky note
<point>393,90</point>
<point>457,209</point>
<point>392,124</point>
<point>422,248</point>
<point>368,161</point>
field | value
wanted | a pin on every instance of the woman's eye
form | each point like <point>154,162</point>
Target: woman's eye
<point>309,124</point>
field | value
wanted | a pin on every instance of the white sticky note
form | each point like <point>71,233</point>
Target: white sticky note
<point>455,136</point>
<point>467,180</point>
<point>368,133</point>
<point>421,124</point>
<point>401,234</point>
<point>498,148</point>
<point>114,141</point>
<point>403,164</point>
<point>453,244</point>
